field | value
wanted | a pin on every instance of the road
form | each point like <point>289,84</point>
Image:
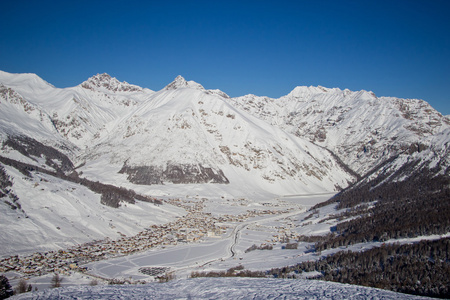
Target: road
<point>235,238</point>
<point>236,233</point>
<point>232,238</point>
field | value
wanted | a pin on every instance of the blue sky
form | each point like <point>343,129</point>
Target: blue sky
<point>393,48</point>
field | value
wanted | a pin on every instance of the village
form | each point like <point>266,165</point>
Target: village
<point>192,227</point>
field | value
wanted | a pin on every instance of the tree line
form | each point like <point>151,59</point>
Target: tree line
<point>420,268</point>
<point>412,201</point>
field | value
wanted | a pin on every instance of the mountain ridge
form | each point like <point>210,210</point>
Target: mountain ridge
<point>323,117</point>
<point>317,114</point>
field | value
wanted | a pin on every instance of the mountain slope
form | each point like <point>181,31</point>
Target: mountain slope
<point>186,134</point>
<point>50,213</point>
<point>80,114</point>
<point>360,128</point>
<point>222,288</point>
<point>113,132</point>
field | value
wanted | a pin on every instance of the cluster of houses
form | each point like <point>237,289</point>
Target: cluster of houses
<point>286,233</point>
<point>192,227</point>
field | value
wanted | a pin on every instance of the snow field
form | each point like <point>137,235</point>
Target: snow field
<point>222,288</point>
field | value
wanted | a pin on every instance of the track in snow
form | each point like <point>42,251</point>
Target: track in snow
<point>221,288</point>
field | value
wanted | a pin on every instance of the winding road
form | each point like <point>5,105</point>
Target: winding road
<point>236,233</point>
<point>235,238</point>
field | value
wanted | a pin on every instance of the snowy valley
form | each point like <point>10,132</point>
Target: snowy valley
<point>110,181</point>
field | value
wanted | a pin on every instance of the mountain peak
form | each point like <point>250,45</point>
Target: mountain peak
<point>106,82</point>
<point>29,80</point>
<point>179,83</point>
<point>309,90</point>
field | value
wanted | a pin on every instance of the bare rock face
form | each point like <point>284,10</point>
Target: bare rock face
<point>178,174</point>
<point>107,82</point>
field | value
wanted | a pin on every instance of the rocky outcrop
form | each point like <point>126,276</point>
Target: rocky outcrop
<point>178,174</point>
<point>107,82</point>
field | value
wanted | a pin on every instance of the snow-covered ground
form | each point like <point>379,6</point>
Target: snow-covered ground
<point>222,252</point>
<point>221,288</point>
<point>59,214</point>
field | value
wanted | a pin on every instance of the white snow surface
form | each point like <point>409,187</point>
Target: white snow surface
<point>222,288</point>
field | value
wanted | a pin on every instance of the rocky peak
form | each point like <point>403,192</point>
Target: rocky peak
<point>180,83</point>
<point>105,81</point>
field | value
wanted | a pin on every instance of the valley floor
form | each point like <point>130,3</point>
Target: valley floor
<point>211,231</point>
<point>244,229</point>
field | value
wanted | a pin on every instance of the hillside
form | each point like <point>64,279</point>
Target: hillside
<point>237,288</point>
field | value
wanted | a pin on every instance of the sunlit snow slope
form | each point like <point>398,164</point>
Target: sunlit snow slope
<point>222,288</point>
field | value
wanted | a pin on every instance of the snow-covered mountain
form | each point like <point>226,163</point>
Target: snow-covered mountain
<point>185,134</point>
<point>189,139</point>
<point>77,115</point>
<point>358,127</point>
<point>181,134</point>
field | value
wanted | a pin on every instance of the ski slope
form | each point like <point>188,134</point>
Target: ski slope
<point>222,288</point>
